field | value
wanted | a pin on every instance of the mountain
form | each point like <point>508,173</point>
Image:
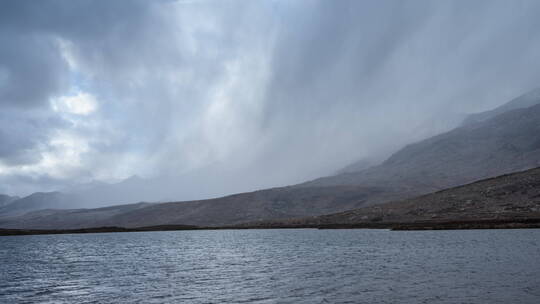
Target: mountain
<point>91,195</point>
<point>37,201</point>
<point>524,101</point>
<point>511,197</point>
<point>234,209</point>
<point>505,143</point>
<point>6,199</point>
<point>502,144</point>
<point>67,218</point>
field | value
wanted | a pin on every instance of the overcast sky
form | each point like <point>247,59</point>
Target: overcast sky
<point>225,96</point>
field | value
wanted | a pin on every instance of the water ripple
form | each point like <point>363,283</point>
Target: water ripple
<point>273,266</point>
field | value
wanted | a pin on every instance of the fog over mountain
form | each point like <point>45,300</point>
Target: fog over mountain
<point>196,99</point>
<point>503,144</point>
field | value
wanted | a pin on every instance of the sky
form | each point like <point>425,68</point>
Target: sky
<point>211,97</point>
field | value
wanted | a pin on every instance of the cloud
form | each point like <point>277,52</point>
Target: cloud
<point>22,134</point>
<point>31,70</point>
<point>214,97</point>
<point>81,104</point>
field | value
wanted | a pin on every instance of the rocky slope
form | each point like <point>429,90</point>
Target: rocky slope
<point>511,197</point>
<point>506,143</point>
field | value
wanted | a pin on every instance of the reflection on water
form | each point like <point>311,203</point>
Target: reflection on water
<point>273,266</point>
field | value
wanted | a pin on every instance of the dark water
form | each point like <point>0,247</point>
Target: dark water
<point>273,266</point>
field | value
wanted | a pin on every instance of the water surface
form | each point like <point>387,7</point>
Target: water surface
<point>273,266</point>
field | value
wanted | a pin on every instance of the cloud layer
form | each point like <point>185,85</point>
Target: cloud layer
<point>213,97</point>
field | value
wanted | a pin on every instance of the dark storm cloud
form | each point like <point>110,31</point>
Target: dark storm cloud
<point>213,97</point>
<point>32,66</point>
<point>22,133</point>
<point>33,69</point>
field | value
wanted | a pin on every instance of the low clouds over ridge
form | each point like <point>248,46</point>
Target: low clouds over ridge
<point>223,96</point>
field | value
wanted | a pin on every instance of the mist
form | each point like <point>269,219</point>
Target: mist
<point>207,98</point>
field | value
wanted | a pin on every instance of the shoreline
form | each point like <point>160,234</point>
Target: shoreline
<point>394,226</point>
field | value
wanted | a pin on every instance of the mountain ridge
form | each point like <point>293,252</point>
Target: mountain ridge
<point>508,197</point>
<point>526,100</point>
<point>502,144</point>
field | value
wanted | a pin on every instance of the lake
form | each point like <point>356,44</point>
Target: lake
<point>273,266</point>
